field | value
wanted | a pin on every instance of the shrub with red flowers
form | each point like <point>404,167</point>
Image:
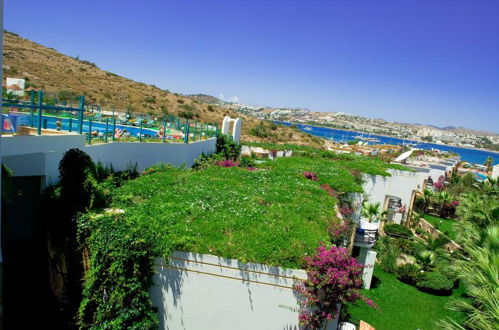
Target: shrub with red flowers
<point>310,175</point>
<point>331,192</point>
<point>340,233</point>
<point>334,278</point>
<point>228,163</point>
<point>345,210</point>
<point>439,185</point>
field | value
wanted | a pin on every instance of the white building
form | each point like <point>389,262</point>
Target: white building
<point>15,86</point>
<point>495,171</point>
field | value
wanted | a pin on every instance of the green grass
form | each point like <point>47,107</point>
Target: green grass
<point>364,163</point>
<point>444,225</point>
<point>403,306</point>
<point>273,215</point>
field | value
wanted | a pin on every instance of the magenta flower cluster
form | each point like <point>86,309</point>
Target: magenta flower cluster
<point>346,210</point>
<point>310,175</point>
<point>339,230</point>
<point>228,163</point>
<point>334,278</point>
<point>439,185</point>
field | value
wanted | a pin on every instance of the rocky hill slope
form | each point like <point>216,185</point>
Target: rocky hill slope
<point>52,71</point>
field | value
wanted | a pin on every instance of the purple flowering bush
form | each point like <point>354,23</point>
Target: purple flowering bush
<point>227,163</point>
<point>439,185</point>
<point>310,175</point>
<point>334,278</point>
<point>340,232</point>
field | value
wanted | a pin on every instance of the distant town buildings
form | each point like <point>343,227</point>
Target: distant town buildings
<point>347,121</point>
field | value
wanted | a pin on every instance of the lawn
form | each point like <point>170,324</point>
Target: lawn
<point>271,215</point>
<point>444,225</point>
<point>402,306</point>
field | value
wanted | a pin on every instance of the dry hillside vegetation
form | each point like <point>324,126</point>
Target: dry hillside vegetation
<point>52,71</point>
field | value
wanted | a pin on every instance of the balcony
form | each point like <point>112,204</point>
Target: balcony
<point>366,237</point>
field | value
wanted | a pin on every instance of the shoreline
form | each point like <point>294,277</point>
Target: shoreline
<point>394,137</point>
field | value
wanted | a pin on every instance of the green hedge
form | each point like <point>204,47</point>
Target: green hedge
<point>409,273</point>
<point>435,283</point>
<point>397,230</point>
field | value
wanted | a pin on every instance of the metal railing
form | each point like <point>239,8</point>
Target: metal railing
<point>39,113</point>
<point>366,236</point>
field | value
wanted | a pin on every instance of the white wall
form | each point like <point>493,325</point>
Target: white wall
<point>121,154</point>
<point>200,291</point>
<point>399,184</point>
<point>40,155</point>
<point>26,144</point>
<point>495,171</point>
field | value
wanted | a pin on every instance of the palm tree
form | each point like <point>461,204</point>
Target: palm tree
<point>480,274</point>
<point>428,196</point>
<point>478,234</point>
<point>488,163</point>
<point>427,259</point>
<point>476,208</point>
<point>372,211</point>
<point>444,199</point>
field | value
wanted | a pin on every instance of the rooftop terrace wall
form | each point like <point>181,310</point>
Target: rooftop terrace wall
<point>39,155</point>
<point>121,154</point>
<point>201,291</point>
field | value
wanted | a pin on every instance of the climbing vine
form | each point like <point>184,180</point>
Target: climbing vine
<point>333,278</point>
<point>116,290</point>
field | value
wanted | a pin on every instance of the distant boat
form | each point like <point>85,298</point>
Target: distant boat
<point>366,138</point>
<point>307,128</point>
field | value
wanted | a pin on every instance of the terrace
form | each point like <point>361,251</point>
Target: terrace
<point>37,129</point>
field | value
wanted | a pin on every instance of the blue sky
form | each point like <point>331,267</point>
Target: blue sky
<point>424,61</point>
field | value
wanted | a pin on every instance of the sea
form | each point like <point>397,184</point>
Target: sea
<point>474,156</point>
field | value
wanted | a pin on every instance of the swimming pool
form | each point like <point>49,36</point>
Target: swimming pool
<point>18,119</point>
<point>480,176</point>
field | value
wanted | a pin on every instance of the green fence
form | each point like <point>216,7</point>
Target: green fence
<point>40,112</point>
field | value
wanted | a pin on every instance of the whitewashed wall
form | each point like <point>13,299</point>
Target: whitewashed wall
<point>121,154</point>
<point>200,291</point>
<point>27,144</point>
<point>399,184</point>
<point>40,155</point>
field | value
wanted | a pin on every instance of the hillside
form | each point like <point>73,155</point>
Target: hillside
<point>52,71</point>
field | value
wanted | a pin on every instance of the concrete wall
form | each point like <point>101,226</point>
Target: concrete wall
<point>40,155</point>
<point>400,184</point>
<point>495,171</point>
<point>121,154</point>
<point>200,291</point>
<point>27,144</point>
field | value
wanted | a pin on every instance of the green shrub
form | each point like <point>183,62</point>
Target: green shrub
<point>261,131</point>
<point>247,162</point>
<point>150,99</point>
<point>435,283</point>
<point>420,232</point>
<point>116,289</point>
<point>388,254</point>
<point>397,230</point>
<point>419,203</point>
<point>228,148</point>
<point>204,161</point>
<point>186,114</point>
<point>187,107</point>
<point>409,273</point>
<point>440,241</point>
<point>406,245</point>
